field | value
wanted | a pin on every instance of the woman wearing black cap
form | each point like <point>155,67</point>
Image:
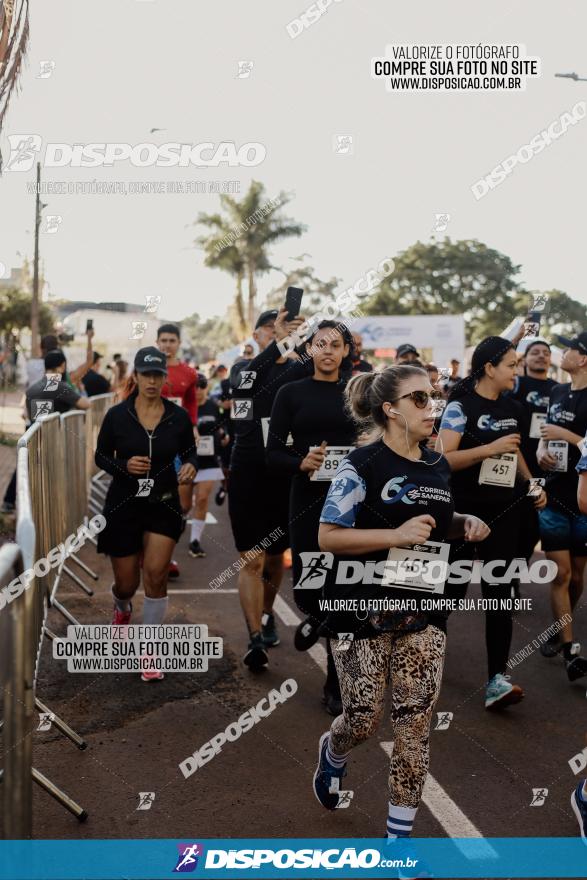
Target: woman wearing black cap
<point>138,442</point>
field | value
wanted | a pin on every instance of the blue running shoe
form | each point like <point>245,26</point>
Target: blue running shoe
<point>580,810</point>
<point>327,778</point>
<point>499,692</point>
<point>413,867</point>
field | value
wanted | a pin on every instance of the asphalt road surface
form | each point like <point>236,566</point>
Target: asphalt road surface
<point>484,767</point>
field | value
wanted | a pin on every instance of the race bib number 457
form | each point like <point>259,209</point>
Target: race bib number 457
<point>499,470</point>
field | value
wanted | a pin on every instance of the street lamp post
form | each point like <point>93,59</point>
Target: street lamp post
<point>35,340</point>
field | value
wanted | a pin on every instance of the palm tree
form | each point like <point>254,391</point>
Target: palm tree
<point>239,241</point>
<point>14,34</point>
<point>229,259</point>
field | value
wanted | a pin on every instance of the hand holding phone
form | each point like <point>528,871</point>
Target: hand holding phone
<point>293,302</point>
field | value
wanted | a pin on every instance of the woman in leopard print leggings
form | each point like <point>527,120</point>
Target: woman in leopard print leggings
<point>393,493</point>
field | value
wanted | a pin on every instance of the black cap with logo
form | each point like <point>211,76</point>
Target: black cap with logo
<point>150,360</point>
<point>579,342</point>
<point>266,317</point>
<point>406,348</point>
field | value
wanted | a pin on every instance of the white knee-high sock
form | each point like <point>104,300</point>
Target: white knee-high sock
<point>121,604</point>
<point>197,527</point>
<point>154,610</point>
<point>333,758</point>
<point>400,820</point>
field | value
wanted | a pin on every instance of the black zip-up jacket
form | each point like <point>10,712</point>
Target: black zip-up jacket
<point>122,436</point>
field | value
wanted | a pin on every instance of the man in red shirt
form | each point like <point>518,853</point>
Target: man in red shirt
<point>180,388</point>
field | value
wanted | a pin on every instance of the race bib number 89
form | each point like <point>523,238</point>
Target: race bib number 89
<point>333,456</point>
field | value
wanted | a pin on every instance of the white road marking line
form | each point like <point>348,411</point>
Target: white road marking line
<point>317,652</point>
<point>442,807</point>
<point>452,819</point>
<point>210,591</point>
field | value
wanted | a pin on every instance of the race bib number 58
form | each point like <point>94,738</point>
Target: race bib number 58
<point>559,449</point>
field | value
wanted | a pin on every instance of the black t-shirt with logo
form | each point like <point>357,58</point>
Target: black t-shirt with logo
<point>50,395</point>
<point>375,488</point>
<point>534,395</point>
<point>210,422</point>
<point>567,409</point>
<point>254,384</point>
<point>480,421</point>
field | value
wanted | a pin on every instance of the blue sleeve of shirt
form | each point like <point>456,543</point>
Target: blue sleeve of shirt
<point>582,465</point>
<point>345,496</point>
<point>454,417</point>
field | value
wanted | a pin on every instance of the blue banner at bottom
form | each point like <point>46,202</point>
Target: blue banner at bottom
<point>291,858</point>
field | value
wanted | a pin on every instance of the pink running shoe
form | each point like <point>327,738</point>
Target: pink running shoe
<point>121,618</point>
<point>150,674</point>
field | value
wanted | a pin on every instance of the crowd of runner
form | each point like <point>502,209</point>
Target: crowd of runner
<point>344,467</point>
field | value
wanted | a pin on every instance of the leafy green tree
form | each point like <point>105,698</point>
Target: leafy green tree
<point>562,315</point>
<point>208,337</point>
<point>316,291</point>
<point>446,277</point>
<point>15,314</point>
<point>239,239</point>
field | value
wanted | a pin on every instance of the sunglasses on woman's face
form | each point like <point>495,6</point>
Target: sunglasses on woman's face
<point>420,398</point>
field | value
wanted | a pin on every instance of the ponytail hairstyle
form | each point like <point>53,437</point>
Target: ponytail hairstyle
<point>128,387</point>
<point>346,367</point>
<point>490,350</point>
<point>367,392</point>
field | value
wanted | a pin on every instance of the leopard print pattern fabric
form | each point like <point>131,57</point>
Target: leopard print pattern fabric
<point>413,664</point>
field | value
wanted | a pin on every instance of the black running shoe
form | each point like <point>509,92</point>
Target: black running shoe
<point>256,657</point>
<point>332,703</point>
<point>550,647</point>
<point>307,634</point>
<point>195,550</point>
<point>269,630</point>
<point>220,496</point>
<point>575,665</point>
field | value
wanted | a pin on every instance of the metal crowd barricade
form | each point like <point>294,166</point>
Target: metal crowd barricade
<point>22,626</point>
<point>97,480</point>
<point>53,471</point>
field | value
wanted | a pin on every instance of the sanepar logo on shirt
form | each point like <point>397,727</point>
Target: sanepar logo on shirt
<point>411,493</point>
<point>488,423</point>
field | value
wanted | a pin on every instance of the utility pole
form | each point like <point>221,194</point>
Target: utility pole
<point>35,341</point>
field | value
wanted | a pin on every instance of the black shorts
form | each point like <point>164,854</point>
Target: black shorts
<point>127,523</point>
<point>258,506</point>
